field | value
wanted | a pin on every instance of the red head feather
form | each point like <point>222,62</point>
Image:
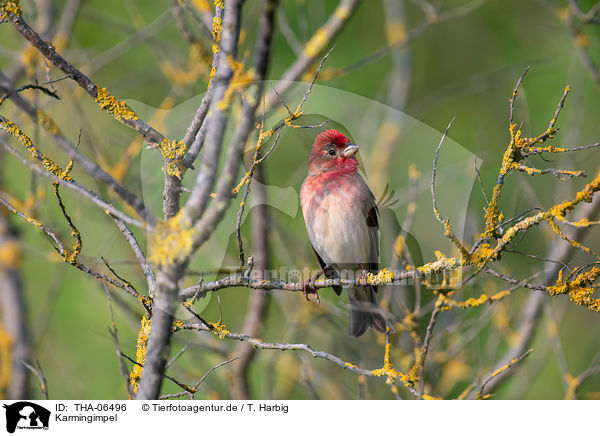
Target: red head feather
<point>330,136</point>
<point>321,161</point>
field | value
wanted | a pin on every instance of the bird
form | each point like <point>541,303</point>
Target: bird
<point>341,217</point>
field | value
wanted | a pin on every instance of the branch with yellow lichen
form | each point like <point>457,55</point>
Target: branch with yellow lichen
<point>257,159</point>
<point>480,259</point>
<point>50,166</point>
<point>10,11</point>
<point>94,169</point>
<point>241,280</point>
<point>574,383</point>
<point>171,240</point>
<point>579,286</point>
<point>54,172</point>
<point>519,148</point>
<point>480,393</point>
<point>140,354</point>
<point>387,371</point>
<point>70,258</point>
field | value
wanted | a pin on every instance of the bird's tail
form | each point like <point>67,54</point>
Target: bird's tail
<point>364,311</point>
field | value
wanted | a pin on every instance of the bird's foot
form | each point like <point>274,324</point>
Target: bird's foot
<point>308,287</point>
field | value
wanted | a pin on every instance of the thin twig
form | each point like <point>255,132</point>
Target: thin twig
<point>514,95</point>
<point>258,343</point>
<point>480,182</point>
<point>113,333</point>
<point>50,53</point>
<point>497,372</point>
<point>197,385</point>
<point>75,186</point>
<point>426,342</point>
<point>46,91</point>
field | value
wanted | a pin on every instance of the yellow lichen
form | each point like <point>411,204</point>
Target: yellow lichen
<point>219,329</point>
<point>140,354</point>
<point>578,288</point>
<point>173,151</point>
<point>120,168</point>
<point>519,148</point>
<point>245,180</point>
<point>177,325</point>
<point>146,301</point>
<point>388,370</point>
<point>481,255</point>
<point>382,277</point>
<point>464,394</point>
<point>395,31</point>
<point>316,44</point>
<point>585,195</point>
<point>217,28</point>
<point>69,256</point>
<point>213,70</point>
<point>474,302</point>
<point>441,264</point>
<point>171,240</point>
<point>48,163</point>
<point>9,7</point>
<point>480,395</point>
<point>342,12</point>
<point>115,107</point>
<point>560,233</point>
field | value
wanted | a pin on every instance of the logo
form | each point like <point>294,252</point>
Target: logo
<point>26,415</point>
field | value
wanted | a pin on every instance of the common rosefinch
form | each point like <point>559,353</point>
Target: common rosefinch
<point>341,219</point>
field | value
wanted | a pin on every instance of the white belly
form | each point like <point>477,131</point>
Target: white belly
<point>339,232</point>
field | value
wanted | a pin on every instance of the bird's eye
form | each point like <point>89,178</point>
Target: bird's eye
<point>331,152</point>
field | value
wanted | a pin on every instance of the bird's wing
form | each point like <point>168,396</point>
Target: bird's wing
<point>371,212</point>
<point>373,228</point>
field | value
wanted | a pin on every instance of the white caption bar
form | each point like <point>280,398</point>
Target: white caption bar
<point>296,417</point>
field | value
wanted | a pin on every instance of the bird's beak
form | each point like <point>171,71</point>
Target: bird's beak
<point>350,150</point>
